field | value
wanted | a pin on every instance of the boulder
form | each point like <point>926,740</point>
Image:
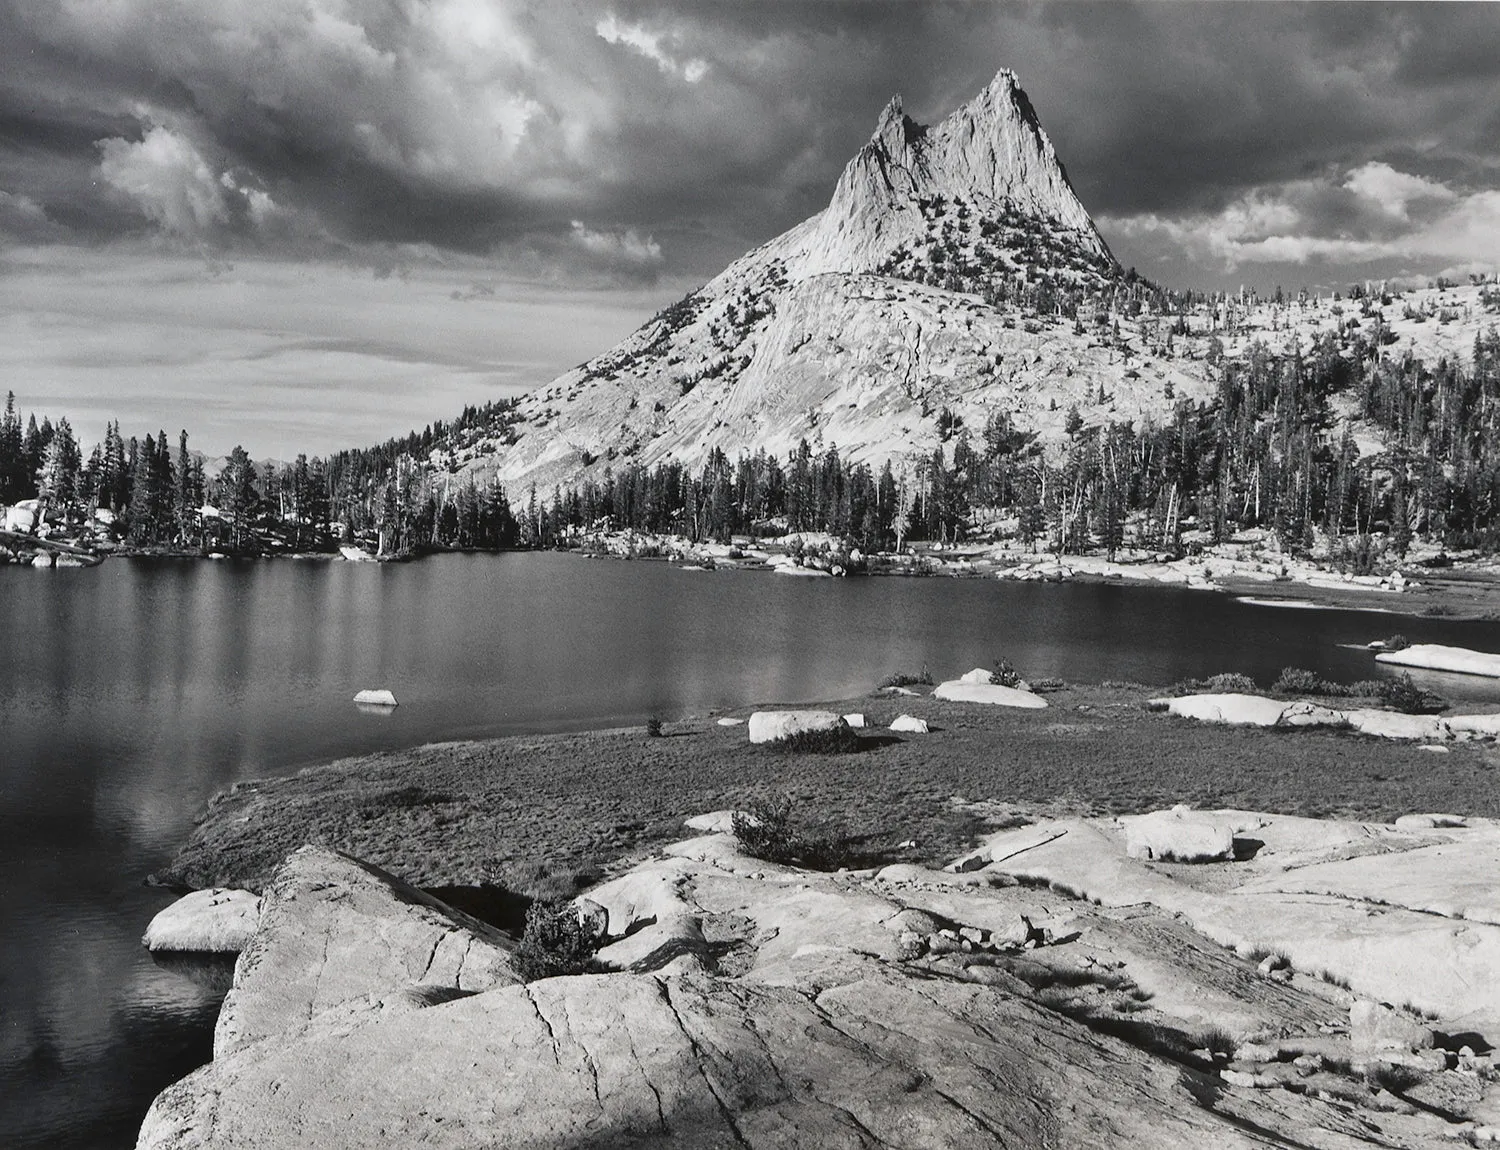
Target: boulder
<point>977,675</point>
<point>959,691</point>
<point>22,517</point>
<point>908,724</point>
<point>855,720</point>
<point>1374,908</point>
<point>215,921</point>
<point>1429,822</point>
<point>378,698</point>
<point>1395,725</point>
<point>1234,709</point>
<point>1380,1026</point>
<point>337,936</point>
<point>731,721</point>
<point>769,726</point>
<point>1437,657</point>
<point>712,823</point>
<point>1486,726</point>
<point>1179,835</point>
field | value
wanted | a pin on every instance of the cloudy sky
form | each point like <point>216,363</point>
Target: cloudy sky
<point>305,224</point>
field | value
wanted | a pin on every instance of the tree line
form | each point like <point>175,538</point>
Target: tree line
<point>1272,447</point>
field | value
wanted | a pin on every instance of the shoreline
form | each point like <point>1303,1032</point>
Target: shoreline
<point>1465,589</point>
<point>536,813</point>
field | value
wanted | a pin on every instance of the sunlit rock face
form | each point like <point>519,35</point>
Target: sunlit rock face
<point>860,325</point>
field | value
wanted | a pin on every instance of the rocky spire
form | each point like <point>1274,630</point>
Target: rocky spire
<point>991,153</point>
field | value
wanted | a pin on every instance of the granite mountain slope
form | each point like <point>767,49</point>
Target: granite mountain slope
<point>954,275</point>
<point>859,325</point>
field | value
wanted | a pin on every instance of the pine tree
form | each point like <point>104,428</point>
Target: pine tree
<point>185,505</point>
<point>237,495</point>
<point>11,460</point>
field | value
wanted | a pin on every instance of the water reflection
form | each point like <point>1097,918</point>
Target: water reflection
<point>132,692</point>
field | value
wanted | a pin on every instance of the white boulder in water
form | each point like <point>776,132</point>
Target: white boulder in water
<point>215,921</point>
<point>376,698</point>
<point>1436,657</point>
<point>769,726</point>
<point>356,554</point>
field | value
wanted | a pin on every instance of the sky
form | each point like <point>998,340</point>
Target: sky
<point>300,225</point>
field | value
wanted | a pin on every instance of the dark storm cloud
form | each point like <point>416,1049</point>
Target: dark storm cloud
<point>637,139</point>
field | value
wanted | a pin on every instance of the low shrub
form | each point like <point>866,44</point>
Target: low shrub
<point>841,740</point>
<point>1396,643</point>
<point>1299,681</point>
<point>905,679</point>
<point>556,942</point>
<point>765,831</point>
<point>1395,1078</point>
<point>1231,682</point>
<point>1399,694</point>
<point>1405,696</point>
<point>1216,1040</point>
<point>1005,674</point>
<point>653,727</point>
<point>1048,686</point>
<point>1228,683</point>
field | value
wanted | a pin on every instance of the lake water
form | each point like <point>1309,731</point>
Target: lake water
<point>131,692</point>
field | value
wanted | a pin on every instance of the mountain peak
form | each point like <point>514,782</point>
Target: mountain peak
<point>991,155</point>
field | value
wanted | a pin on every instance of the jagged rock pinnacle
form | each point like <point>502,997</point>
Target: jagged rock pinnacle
<point>991,153</point>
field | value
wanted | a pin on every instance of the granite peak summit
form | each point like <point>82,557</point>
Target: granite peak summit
<point>989,155</point>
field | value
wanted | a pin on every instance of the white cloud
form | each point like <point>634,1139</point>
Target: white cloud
<point>174,185</point>
<point>1372,212</point>
<point>627,247</point>
<point>168,180</point>
<point>1393,192</point>
<point>649,44</point>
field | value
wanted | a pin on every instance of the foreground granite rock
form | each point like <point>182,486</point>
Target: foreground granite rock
<point>752,1005</point>
<point>1401,915</point>
<point>213,921</point>
<point>339,938</point>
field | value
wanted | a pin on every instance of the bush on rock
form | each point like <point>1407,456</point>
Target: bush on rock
<point>557,942</point>
<point>765,831</point>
